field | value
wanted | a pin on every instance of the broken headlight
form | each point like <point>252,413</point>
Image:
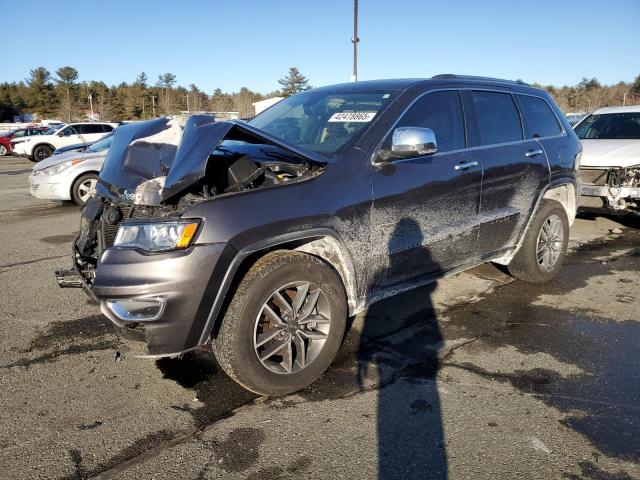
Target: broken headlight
<point>157,236</point>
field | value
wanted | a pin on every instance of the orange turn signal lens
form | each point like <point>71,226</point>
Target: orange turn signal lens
<point>187,235</point>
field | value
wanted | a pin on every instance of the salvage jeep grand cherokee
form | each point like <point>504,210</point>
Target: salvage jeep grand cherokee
<point>263,237</point>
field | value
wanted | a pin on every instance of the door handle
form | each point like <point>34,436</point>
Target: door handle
<point>533,153</point>
<point>466,165</point>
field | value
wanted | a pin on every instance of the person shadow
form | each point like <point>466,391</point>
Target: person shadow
<point>397,356</point>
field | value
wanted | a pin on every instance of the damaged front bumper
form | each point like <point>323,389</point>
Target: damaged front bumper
<point>160,300</point>
<point>618,187</point>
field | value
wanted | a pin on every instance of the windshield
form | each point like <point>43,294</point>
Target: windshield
<point>53,129</point>
<point>101,145</point>
<point>610,126</point>
<point>320,121</point>
<point>8,134</point>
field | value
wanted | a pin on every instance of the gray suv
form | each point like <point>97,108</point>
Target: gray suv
<point>264,237</point>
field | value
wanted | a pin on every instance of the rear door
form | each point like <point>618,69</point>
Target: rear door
<point>541,123</point>
<point>515,169</point>
<point>425,209</point>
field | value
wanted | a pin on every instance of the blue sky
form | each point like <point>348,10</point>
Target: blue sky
<point>229,44</point>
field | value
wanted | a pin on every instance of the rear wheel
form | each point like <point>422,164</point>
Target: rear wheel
<point>544,246</point>
<point>83,188</point>
<point>41,152</point>
<point>284,324</point>
<point>3,150</point>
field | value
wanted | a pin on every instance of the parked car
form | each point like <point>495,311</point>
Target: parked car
<point>574,118</point>
<point>610,167</point>
<point>39,148</point>
<point>79,147</point>
<point>263,237</point>
<point>19,133</point>
<point>69,176</point>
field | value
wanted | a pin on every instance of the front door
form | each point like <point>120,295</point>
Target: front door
<point>425,209</point>
<point>68,136</point>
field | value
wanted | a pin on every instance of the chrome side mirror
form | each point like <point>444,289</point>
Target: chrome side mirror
<point>410,142</point>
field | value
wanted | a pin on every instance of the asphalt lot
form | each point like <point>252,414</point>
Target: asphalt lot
<point>478,376</point>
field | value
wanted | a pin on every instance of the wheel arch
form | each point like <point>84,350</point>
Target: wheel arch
<point>565,195</point>
<point>324,244</point>
<point>563,192</point>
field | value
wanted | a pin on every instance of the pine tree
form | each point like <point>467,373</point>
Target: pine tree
<point>294,82</point>
<point>40,95</point>
<point>66,80</point>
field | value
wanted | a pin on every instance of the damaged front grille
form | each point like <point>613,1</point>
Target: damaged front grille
<point>111,219</point>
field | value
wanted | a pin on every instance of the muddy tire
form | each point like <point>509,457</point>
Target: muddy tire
<point>41,152</point>
<point>542,252</point>
<point>284,324</point>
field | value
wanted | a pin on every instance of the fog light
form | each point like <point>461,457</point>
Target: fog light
<point>137,309</point>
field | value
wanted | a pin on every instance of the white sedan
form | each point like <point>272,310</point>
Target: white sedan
<point>69,176</point>
<point>610,167</point>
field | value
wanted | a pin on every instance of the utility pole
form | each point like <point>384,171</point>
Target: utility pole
<point>624,98</point>
<point>355,40</point>
<point>188,111</point>
<point>143,112</point>
<point>91,106</point>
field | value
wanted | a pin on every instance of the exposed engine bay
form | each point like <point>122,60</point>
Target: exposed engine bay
<point>157,169</point>
<point>616,188</point>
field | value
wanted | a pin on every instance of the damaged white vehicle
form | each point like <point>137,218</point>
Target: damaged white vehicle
<point>610,168</point>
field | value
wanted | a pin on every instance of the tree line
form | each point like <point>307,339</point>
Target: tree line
<point>63,97</point>
<point>589,95</point>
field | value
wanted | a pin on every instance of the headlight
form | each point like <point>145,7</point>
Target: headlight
<point>60,167</point>
<point>156,237</point>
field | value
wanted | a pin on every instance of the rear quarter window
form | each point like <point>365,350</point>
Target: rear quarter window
<point>539,120</point>
<point>498,117</point>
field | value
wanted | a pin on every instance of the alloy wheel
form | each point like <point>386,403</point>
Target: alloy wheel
<point>86,189</point>
<point>549,244</point>
<point>3,150</point>
<point>292,327</point>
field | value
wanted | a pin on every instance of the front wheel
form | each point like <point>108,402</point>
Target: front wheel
<point>544,246</point>
<point>3,150</point>
<point>41,152</point>
<point>284,324</point>
<point>83,188</point>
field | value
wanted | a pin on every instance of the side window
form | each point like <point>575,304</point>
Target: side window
<point>88,129</point>
<point>539,120</point>
<point>442,113</point>
<point>68,131</point>
<point>20,133</point>
<point>498,117</point>
<point>107,128</point>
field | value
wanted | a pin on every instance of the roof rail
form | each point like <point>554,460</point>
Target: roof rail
<point>452,76</point>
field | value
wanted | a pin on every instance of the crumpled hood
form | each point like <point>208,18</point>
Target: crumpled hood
<point>65,157</point>
<point>610,153</point>
<point>174,149</point>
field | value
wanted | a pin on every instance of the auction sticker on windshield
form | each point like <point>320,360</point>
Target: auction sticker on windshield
<point>352,117</point>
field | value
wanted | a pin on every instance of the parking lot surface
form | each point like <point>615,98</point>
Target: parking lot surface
<point>477,376</point>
